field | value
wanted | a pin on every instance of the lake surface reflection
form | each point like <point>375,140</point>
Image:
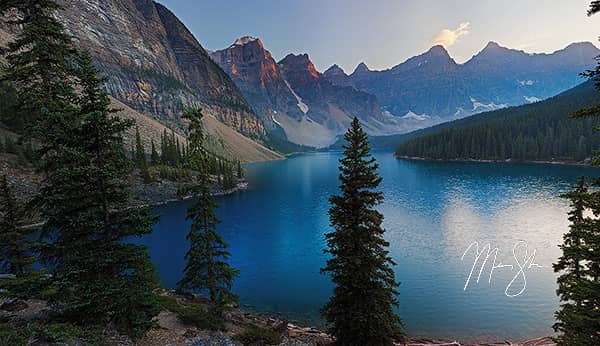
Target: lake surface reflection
<point>433,212</point>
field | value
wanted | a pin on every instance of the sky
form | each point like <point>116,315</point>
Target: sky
<point>384,33</point>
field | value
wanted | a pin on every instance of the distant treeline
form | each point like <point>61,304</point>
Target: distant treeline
<point>540,131</point>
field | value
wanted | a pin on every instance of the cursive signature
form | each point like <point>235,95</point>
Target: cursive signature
<point>522,264</point>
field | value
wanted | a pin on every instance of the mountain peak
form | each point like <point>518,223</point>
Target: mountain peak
<point>334,69</point>
<point>246,40</point>
<point>493,52</point>
<point>295,59</point>
<point>493,45</point>
<point>582,46</point>
<point>361,68</point>
<point>438,50</point>
<point>436,56</point>
<point>298,62</point>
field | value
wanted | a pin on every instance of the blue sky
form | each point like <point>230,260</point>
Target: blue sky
<point>383,33</point>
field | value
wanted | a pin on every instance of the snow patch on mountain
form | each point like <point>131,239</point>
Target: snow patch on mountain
<point>414,116</point>
<point>479,107</point>
<point>528,82</point>
<point>244,40</point>
<point>532,99</point>
<point>275,120</point>
<point>303,107</point>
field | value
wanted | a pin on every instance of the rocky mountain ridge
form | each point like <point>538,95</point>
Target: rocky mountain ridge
<point>294,99</point>
<point>154,64</point>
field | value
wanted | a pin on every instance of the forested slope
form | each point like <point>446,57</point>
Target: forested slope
<point>542,131</point>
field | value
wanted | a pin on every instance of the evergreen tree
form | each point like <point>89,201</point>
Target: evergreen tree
<point>98,274</point>
<point>593,111</point>
<point>140,153</point>
<point>173,153</point>
<point>38,63</point>
<point>15,245</point>
<point>163,147</point>
<point>177,150</point>
<point>154,157</point>
<point>10,146</point>
<point>578,320</point>
<point>240,171</point>
<point>140,157</point>
<point>594,8</point>
<point>8,97</point>
<point>29,152</point>
<point>207,268</point>
<point>360,312</point>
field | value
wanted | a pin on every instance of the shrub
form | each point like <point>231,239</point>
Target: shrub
<point>255,335</point>
<point>202,318</point>
<point>29,285</point>
<point>199,316</point>
<point>52,333</point>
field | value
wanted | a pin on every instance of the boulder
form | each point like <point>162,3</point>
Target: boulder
<point>13,305</point>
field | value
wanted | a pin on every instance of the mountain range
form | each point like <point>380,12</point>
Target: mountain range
<point>313,108</point>
<point>432,87</point>
<point>294,99</point>
<point>158,68</point>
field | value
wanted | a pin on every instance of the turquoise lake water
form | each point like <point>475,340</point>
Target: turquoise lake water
<point>433,212</point>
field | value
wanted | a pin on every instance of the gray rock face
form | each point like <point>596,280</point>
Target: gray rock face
<point>317,91</point>
<point>13,305</point>
<point>154,64</point>
<point>258,76</point>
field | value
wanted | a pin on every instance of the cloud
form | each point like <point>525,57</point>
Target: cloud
<point>449,37</point>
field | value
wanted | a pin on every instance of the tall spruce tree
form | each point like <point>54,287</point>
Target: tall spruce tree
<point>99,275</point>
<point>140,152</point>
<point>594,8</point>
<point>360,312</point>
<point>140,157</point>
<point>16,255</point>
<point>207,268</point>
<point>154,157</point>
<point>38,63</point>
<point>594,75</point>
<point>240,170</point>
<point>578,319</point>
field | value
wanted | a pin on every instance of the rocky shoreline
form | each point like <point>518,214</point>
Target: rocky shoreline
<point>166,191</point>
<point>172,331</point>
